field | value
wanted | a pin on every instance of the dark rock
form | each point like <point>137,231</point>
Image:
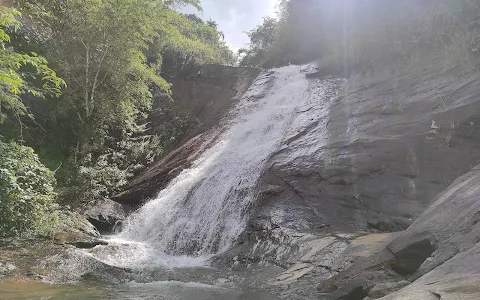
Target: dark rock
<point>450,269</point>
<point>154,179</point>
<point>453,269</point>
<point>77,239</point>
<point>73,226</point>
<point>382,289</point>
<point>356,293</point>
<point>451,222</point>
<point>327,288</point>
<point>380,226</point>
<point>106,215</point>
<point>208,95</point>
<point>407,260</point>
<point>271,190</point>
<point>88,244</point>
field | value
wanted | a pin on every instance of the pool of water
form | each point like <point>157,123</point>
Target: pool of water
<point>161,290</point>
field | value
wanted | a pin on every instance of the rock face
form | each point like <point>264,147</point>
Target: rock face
<point>438,255</point>
<point>366,198</point>
<point>375,156</point>
<point>451,224</point>
<point>210,94</point>
<point>154,179</point>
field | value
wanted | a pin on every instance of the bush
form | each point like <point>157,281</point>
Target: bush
<point>117,154</point>
<point>27,196</point>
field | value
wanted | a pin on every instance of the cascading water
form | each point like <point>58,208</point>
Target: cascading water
<point>203,210</point>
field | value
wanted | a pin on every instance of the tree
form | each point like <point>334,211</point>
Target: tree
<point>262,40</point>
<point>194,18</point>
<point>101,48</point>
<point>19,71</point>
<point>185,42</point>
<point>115,56</point>
<point>212,24</point>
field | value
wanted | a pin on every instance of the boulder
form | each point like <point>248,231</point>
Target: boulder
<point>409,259</point>
<point>6,268</point>
<point>105,214</point>
<point>74,226</point>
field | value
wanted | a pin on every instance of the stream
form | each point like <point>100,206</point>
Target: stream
<point>162,290</point>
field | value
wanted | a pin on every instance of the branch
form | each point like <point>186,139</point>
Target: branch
<point>75,79</point>
<point>21,128</point>
<point>87,65</point>
<point>54,172</point>
<point>103,79</point>
<point>39,125</point>
<point>94,87</point>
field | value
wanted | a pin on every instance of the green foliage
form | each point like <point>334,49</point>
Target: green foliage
<point>99,50</point>
<point>19,70</point>
<point>27,197</point>
<point>115,57</point>
<point>111,55</point>
<point>115,160</point>
<point>262,41</point>
<point>93,128</point>
<point>186,41</point>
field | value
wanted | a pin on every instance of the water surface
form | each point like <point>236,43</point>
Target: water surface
<point>163,290</point>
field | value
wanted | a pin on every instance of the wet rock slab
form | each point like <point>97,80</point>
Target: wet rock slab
<point>372,153</point>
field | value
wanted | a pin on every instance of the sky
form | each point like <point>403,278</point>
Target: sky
<point>234,17</point>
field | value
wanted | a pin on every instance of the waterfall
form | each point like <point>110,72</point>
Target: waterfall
<point>205,208</point>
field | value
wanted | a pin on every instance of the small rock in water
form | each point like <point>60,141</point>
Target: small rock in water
<point>89,244</point>
<point>6,268</point>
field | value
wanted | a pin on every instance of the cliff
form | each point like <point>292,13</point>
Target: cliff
<point>367,195</point>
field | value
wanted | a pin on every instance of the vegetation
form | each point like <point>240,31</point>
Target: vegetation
<point>99,68</point>
<point>17,70</point>
<point>26,191</point>
<point>363,34</point>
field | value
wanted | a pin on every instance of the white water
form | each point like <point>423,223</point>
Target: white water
<point>203,210</point>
